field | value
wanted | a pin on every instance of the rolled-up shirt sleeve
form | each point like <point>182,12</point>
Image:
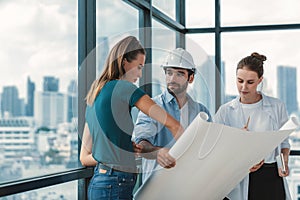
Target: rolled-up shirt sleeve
<point>144,129</point>
<point>284,118</point>
<point>219,117</point>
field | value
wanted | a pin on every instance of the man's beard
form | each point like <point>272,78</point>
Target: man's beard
<point>179,89</point>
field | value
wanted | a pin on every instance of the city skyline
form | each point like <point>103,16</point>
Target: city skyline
<point>12,105</point>
<point>51,83</point>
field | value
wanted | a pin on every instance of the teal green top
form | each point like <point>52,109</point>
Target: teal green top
<point>110,122</point>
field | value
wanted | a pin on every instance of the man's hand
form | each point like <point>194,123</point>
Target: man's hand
<point>165,159</point>
<point>145,149</point>
<point>137,148</point>
<point>257,166</point>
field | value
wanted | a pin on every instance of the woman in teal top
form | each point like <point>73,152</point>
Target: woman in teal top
<point>106,141</point>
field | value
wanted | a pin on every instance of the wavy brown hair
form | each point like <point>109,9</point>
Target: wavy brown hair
<point>128,48</point>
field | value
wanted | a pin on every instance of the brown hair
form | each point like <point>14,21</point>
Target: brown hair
<point>254,62</point>
<point>128,48</point>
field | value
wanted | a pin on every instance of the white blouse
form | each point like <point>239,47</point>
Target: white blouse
<point>269,114</point>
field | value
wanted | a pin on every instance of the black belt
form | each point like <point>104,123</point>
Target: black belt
<point>118,168</point>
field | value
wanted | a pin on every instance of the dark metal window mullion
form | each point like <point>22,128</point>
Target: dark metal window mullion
<point>218,54</point>
<point>180,18</point>
<point>145,36</point>
<point>86,69</point>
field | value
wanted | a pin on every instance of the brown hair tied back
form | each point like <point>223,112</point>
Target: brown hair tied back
<point>254,62</point>
<point>259,56</point>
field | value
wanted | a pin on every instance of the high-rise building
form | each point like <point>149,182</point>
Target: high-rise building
<point>30,97</point>
<point>72,101</point>
<point>17,131</point>
<point>205,81</point>
<point>10,102</point>
<point>0,106</point>
<point>50,109</point>
<point>287,87</point>
<point>51,84</point>
<point>22,111</point>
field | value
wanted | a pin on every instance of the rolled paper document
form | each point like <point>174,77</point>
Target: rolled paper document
<point>203,116</point>
<point>199,153</point>
<point>292,123</point>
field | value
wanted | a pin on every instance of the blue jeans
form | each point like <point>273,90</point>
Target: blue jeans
<point>111,185</point>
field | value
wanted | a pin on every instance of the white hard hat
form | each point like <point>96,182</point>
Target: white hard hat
<point>180,58</point>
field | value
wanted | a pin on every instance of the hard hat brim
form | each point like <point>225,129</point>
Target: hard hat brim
<point>181,67</point>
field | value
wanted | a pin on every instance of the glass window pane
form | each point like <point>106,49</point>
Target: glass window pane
<point>257,12</point>
<point>281,76</point>
<point>294,179</point>
<point>200,14</point>
<point>282,70</point>
<point>201,46</point>
<point>38,86</point>
<point>166,6</point>
<point>276,45</point>
<point>110,30</point>
<point>205,41</point>
<point>164,40</point>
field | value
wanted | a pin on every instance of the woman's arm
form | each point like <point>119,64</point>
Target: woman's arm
<point>286,153</point>
<point>86,157</point>
<point>150,108</point>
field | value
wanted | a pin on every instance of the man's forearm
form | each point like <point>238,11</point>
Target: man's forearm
<point>149,151</point>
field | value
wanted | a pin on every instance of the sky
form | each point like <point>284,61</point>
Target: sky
<point>278,46</point>
<point>40,37</point>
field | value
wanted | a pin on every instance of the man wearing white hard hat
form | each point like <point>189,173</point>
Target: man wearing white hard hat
<point>153,138</point>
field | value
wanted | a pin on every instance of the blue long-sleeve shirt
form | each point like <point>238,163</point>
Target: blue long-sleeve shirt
<point>157,134</point>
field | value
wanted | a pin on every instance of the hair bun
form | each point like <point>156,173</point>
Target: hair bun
<point>259,56</point>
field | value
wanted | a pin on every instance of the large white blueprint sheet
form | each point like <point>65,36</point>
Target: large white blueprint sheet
<point>211,160</point>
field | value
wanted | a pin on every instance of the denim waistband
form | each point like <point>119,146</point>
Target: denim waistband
<point>117,168</point>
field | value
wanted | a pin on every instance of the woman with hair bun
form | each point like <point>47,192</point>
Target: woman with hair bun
<point>254,111</point>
